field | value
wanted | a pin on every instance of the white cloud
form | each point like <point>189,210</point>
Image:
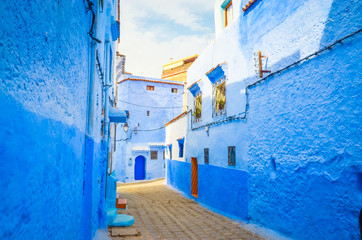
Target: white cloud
<point>144,51</point>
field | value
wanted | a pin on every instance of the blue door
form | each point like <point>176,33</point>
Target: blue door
<point>139,168</point>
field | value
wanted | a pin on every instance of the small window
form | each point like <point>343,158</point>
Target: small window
<point>148,113</point>
<point>181,146</point>
<point>174,90</point>
<point>231,155</point>
<point>181,142</point>
<point>206,155</point>
<point>164,154</point>
<point>228,13</point>
<point>153,155</point>
<point>219,100</point>
<point>198,108</point>
<point>150,88</point>
<point>170,150</point>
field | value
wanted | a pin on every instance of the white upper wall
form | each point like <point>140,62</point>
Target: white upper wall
<point>219,14</point>
<point>174,131</point>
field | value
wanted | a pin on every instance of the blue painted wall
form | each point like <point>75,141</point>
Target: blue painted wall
<point>220,188</point>
<point>52,175</point>
<point>163,105</point>
<point>313,134</point>
<point>299,142</point>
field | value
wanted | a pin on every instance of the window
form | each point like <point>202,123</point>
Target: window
<point>148,113</point>
<point>170,150</point>
<point>181,146</point>
<point>198,108</point>
<point>181,142</point>
<point>219,100</point>
<point>164,154</point>
<point>153,155</point>
<point>174,90</point>
<point>228,13</point>
<point>231,155</point>
<point>150,88</point>
<point>206,155</point>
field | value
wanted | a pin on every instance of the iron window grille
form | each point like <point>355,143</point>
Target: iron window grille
<point>231,156</point>
<point>197,108</point>
<point>206,155</point>
<point>153,155</point>
<point>219,97</point>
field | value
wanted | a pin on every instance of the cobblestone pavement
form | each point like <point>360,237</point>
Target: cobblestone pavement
<point>161,213</point>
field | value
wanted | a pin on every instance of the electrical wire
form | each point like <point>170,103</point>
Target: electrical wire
<point>148,130</point>
<point>89,8</point>
<point>149,106</point>
<point>233,118</point>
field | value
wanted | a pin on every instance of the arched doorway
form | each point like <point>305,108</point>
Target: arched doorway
<point>140,168</point>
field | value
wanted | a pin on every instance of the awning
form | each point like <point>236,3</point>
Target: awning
<point>140,149</point>
<point>225,3</point>
<point>215,74</point>
<point>115,30</point>
<point>194,89</point>
<point>116,115</point>
<point>159,144</point>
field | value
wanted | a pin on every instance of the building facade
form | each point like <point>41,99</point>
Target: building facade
<point>177,71</point>
<point>151,102</point>
<point>274,130</point>
<point>56,78</point>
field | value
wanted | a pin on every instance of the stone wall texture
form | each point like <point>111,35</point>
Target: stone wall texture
<point>44,72</point>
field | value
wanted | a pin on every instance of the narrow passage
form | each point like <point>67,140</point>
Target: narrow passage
<point>161,213</point>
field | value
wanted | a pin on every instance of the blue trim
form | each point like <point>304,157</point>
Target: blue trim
<point>216,74</point>
<point>181,140</point>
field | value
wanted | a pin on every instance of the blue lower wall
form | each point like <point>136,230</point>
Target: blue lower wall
<point>41,176</point>
<point>305,147</point>
<point>223,189</point>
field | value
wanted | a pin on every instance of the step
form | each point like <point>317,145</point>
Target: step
<point>121,203</point>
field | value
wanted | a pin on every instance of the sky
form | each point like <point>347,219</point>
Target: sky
<point>153,31</point>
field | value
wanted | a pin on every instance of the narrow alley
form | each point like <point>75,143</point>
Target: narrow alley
<point>182,119</point>
<point>161,213</point>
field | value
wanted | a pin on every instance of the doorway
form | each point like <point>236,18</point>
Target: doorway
<point>140,168</point>
<point>194,177</point>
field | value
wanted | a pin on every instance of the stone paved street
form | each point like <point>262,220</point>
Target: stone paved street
<point>161,213</point>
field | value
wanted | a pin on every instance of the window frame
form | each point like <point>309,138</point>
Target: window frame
<point>181,150</point>
<point>174,90</point>
<point>231,156</point>
<point>197,114</point>
<point>219,112</point>
<point>230,5</point>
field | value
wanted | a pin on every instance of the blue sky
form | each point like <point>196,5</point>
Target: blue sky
<point>153,31</point>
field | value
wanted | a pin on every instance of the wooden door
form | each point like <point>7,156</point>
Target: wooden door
<point>194,177</point>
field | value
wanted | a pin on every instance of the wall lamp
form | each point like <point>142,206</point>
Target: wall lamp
<point>125,127</point>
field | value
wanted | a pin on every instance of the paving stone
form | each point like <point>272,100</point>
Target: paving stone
<point>161,213</point>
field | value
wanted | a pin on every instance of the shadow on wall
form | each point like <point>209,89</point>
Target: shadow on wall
<point>341,22</point>
<point>303,120</point>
